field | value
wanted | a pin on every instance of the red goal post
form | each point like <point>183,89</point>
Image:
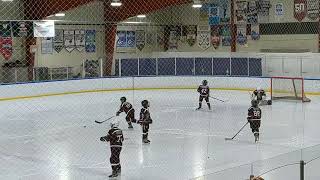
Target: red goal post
<point>290,88</point>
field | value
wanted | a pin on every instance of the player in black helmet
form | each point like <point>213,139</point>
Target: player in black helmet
<point>204,91</point>
<point>128,109</point>
<point>115,137</point>
<point>254,118</point>
<point>145,120</point>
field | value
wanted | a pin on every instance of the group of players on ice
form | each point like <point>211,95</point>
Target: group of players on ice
<point>115,135</point>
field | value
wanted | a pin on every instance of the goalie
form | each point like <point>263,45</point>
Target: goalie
<point>260,96</point>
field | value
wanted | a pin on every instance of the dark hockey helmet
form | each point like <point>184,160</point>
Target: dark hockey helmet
<point>123,99</point>
<point>145,103</point>
<point>254,103</point>
<point>204,82</point>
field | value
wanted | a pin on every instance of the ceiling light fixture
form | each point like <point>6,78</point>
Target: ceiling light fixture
<point>116,3</point>
<point>197,4</point>
<point>142,16</point>
<point>60,14</point>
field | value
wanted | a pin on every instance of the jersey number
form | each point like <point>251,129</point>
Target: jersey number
<point>256,113</point>
<point>204,91</point>
<point>119,138</point>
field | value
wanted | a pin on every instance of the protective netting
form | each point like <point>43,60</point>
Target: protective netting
<point>67,63</point>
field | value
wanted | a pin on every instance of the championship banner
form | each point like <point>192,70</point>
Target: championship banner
<point>242,34</point>
<point>160,38</point>
<point>241,11</point>
<point>279,11</point>
<point>69,41</point>
<point>225,11</point>
<point>226,35</point>
<point>43,28</point>
<point>58,43</point>
<point>255,32</point>
<point>215,36</point>
<point>46,46</point>
<point>5,29</point>
<point>22,28</point>
<point>252,12</point>
<point>140,35</point>
<point>80,40</point>
<point>263,10</point>
<point>90,41</point>
<point>203,37</point>
<point>191,34</point>
<point>214,15</point>
<point>121,39</point>
<point>131,39</point>
<point>313,9</point>
<point>6,47</point>
<point>300,9</point>
<point>174,37</point>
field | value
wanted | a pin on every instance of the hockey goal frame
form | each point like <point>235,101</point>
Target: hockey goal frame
<point>303,97</point>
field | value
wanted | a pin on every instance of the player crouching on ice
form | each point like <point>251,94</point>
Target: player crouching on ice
<point>128,109</point>
<point>260,95</point>
<point>145,120</point>
<point>204,91</point>
<point>254,118</point>
<point>115,137</point>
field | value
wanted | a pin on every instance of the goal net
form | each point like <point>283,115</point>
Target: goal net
<point>288,88</point>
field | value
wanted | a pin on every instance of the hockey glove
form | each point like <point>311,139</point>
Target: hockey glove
<point>104,138</point>
<point>118,113</point>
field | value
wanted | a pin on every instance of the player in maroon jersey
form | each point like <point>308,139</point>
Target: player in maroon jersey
<point>254,118</point>
<point>204,91</point>
<point>128,109</point>
<point>115,137</point>
<point>145,120</point>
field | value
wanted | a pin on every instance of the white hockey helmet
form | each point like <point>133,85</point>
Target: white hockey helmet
<point>114,124</point>
<point>259,88</point>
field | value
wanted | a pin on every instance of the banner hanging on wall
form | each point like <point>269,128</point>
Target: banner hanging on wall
<point>131,39</point>
<point>242,34</point>
<point>215,36</point>
<point>263,7</point>
<point>203,37</point>
<point>5,29</point>
<point>6,47</point>
<point>191,34</point>
<point>140,39</point>
<point>300,9</point>
<point>69,41</point>
<point>80,40</point>
<point>255,32</point>
<point>313,9</point>
<point>214,15</point>
<point>226,35</point>
<point>151,38</point>
<point>90,41</point>
<point>121,40</point>
<point>252,12</point>
<point>160,38</point>
<point>241,10</point>
<point>174,35</point>
<point>58,44</point>
<point>22,28</point>
<point>43,29</point>
<point>225,11</point>
<point>46,45</point>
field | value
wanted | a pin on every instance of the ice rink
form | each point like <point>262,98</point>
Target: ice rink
<point>45,138</point>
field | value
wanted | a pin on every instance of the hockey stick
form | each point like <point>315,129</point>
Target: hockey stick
<point>237,132</point>
<point>217,99</point>
<point>99,122</point>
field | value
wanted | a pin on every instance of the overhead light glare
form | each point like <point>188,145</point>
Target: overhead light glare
<point>60,14</point>
<point>142,16</point>
<point>197,5</point>
<point>116,3</point>
<point>6,0</point>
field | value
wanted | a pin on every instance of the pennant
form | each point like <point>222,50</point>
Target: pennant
<point>46,45</point>
<point>203,37</point>
<point>255,32</point>
<point>140,35</point>
<point>226,35</point>
<point>214,15</point>
<point>43,29</point>
<point>242,34</point>
<point>5,29</point>
<point>174,37</point>
<point>58,43</point>
<point>313,9</point>
<point>6,47</point>
<point>121,39</point>
<point>241,9</point>
<point>160,38</point>
<point>22,28</point>
<point>69,41</point>
<point>131,39</point>
<point>80,40</point>
<point>300,9</point>
<point>90,41</point>
<point>191,34</point>
<point>215,36</point>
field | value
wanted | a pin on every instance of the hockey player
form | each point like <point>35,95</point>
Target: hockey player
<point>145,120</point>
<point>204,94</point>
<point>254,118</point>
<point>128,109</point>
<point>260,95</point>
<point>115,137</point>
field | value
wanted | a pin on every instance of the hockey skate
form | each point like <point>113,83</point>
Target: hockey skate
<point>119,170</point>
<point>146,141</point>
<point>198,108</point>
<point>256,137</point>
<point>114,174</point>
<point>130,126</point>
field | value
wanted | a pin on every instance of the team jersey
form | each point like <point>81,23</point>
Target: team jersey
<point>203,90</point>
<point>145,116</point>
<point>254,113</point>
<point>259,94</point>
<point>115,136</point>
<point>125,107</point>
